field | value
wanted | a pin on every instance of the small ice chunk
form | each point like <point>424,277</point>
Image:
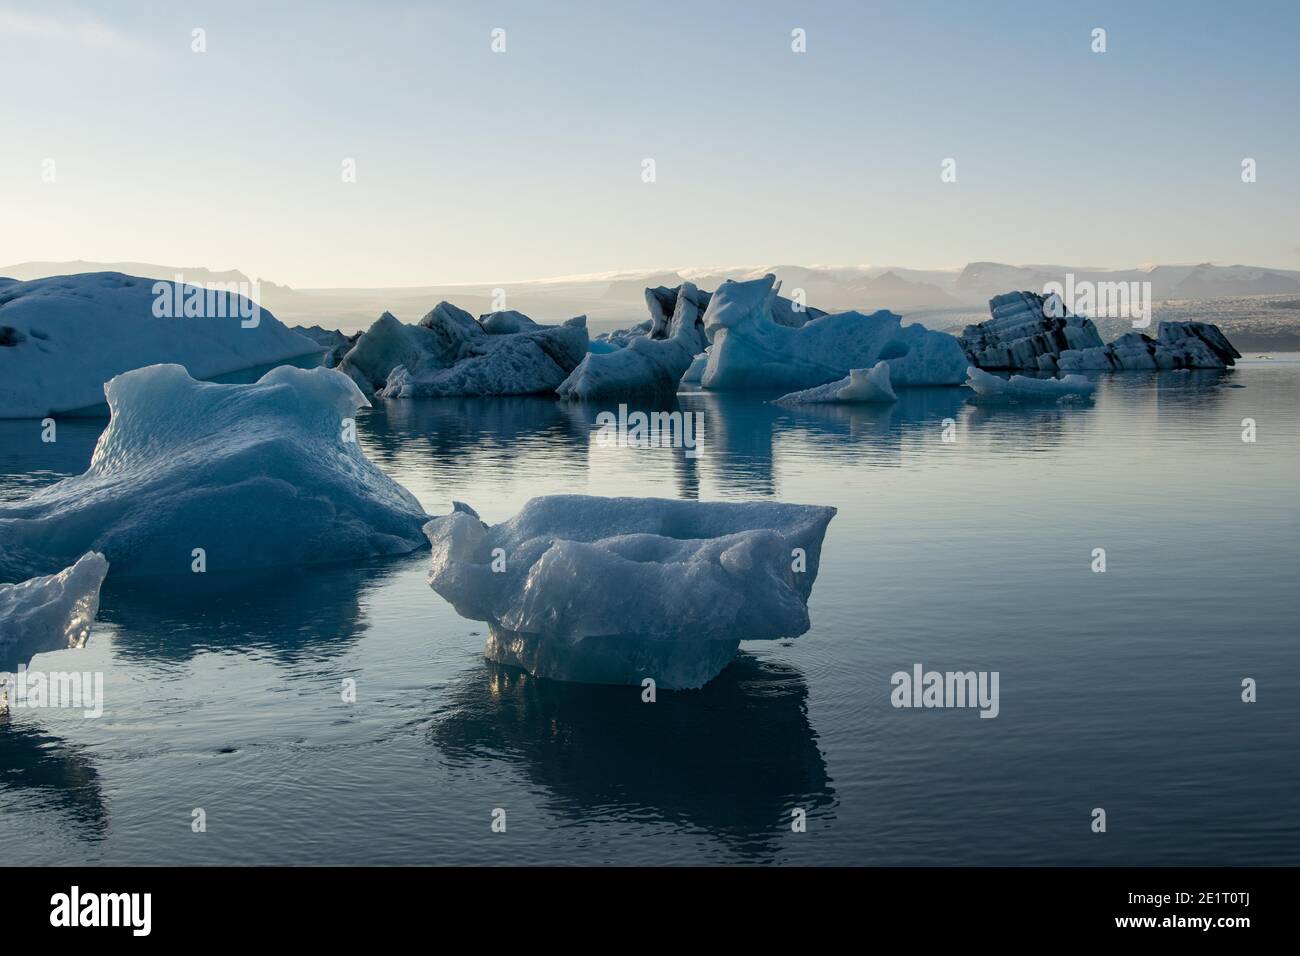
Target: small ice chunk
<point>49,613</point>
<point>861,385</point>
<point>1021,388</point>
<point>614,590</point>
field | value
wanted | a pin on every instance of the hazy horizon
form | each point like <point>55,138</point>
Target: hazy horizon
<point>474,166</point>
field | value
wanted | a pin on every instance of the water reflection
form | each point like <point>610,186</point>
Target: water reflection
<point>456,438</point>
<point>733,758</point>
<point>29,463</point>
<point>291,614</point>
<point>39,771</point>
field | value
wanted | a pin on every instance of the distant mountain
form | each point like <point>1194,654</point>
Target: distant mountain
<point>614,299</point>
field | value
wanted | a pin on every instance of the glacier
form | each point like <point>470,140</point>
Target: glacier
<point>257,475</point>
<point>860,385</point>
<point>1027,331</point>
<point>49,613</point>
<point>1177,345</point>
<point>1021,388</point>
<point>615,590</point>
<point>648,367</point>
<point>63,337</point>
<point>450,353</point>
<point>750,349</point>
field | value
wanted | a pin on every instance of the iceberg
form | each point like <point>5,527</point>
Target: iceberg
<point>63,337</point>
<point>1027,331</point>
<point>1178,345</point>
<point>648,368</point>
<point>752,350</point>
<point>49,613</point>
<point>337,343</point>
<point>615,590</point>
<point>450,353</point>
<point>258,475</point>
<point>693,374</point>
<point>860,385</point>
<point>1020,388</point>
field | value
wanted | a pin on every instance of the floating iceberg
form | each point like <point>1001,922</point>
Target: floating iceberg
<point>752,350</point>
<point>1027,331</point>
<point>861,385</point>
<point>49,613</point>
<point>614,590</point>
<point>647,368</point>
<point>62,338</point>
<point>693,374</point>
<point>1020,388</point>
<point>255,475</point>
<point>1177,345</point>
<point>337,343</point>
<point>451,353</point>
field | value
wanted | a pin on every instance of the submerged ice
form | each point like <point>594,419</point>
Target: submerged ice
<point>615,590</point>
<point>232,477</point>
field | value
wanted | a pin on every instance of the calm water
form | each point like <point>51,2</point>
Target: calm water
<point>1118,690</point>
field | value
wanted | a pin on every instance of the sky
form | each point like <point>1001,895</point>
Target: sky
<point>120,142</point>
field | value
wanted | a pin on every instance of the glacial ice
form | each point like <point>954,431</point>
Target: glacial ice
<point>63,337</point>
<point>451,353</point>
<point>49,613</point>
<point>860,385</point>
<point>752,350</point>
<point>1020,388</point>
<point>256,476</point>
<point>693,374</point>
<point>614,590</point>
<point>1177,345</point>
<point>1027,331</point>
<point>648,367</point>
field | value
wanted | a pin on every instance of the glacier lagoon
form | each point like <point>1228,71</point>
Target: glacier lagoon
<point>1119,690</point>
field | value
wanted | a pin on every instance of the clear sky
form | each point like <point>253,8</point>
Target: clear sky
<point>480,166</point>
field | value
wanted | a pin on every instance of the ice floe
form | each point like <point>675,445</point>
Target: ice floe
<point>1027,331</point>
<point>63,337</point>
<point>752,350</point>
<point>450,353</point>
<point>860,385</point>
<point>648,367</point>
<point>1177,345</point>
<point>1021,388</point>
<point>615,590</point>
<point>223,477</point>
<point>49,613</point>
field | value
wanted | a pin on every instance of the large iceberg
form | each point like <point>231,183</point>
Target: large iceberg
<point>752,350</point>
<point>62,338</point>
<point>1021,388</point>
<point>451,353</point>
<point>860,385</point>
<point>615,590</point>
<point>1177,345</point>
<point>49,613</point>
<point>1027,331</point>
<point>254,475</point>
<point>649,367</point>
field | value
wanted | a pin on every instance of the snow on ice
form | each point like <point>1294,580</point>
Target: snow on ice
<point>63,337</point>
